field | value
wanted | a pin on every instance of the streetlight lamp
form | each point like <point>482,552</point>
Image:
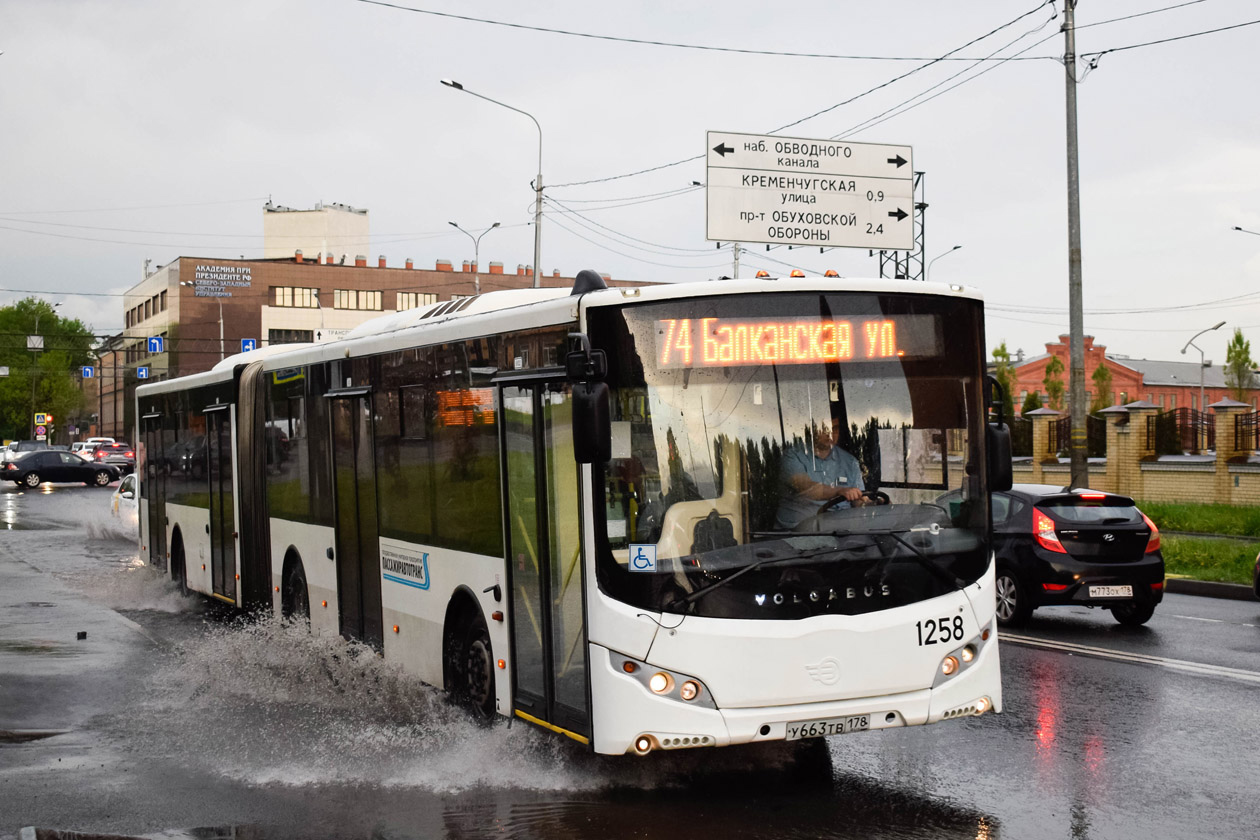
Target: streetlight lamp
<point>220,302</point>
<point>36,345</point>
<point>538,182</point>
<point>927,271</point>
<point>1191,343</point>
<point>477,252</point>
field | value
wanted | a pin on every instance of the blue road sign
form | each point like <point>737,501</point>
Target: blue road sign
<point>87,372</point>
<point>248,344</point>
<point>142,372</point>
<point>155,344</point>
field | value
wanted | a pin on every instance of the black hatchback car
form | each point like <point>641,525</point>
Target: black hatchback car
<point>34,468</point>
<point>1056,546</point>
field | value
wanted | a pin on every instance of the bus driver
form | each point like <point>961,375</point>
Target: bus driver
<point>816,474</point>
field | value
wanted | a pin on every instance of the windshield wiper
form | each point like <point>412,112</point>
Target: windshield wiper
<point>919,557</point>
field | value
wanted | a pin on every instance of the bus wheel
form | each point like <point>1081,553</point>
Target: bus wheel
<point>179,570</point>
<point>475,680</point>
<point>296,603</point>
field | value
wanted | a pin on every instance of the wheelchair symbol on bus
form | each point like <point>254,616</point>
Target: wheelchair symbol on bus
<point>642,557</point>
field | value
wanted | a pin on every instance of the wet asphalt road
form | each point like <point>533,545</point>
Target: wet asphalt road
<point>170,717</point>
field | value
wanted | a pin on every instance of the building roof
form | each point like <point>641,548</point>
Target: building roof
<point>1174,373</point>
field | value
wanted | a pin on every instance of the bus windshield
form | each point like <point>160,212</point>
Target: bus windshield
<point>780,456</point>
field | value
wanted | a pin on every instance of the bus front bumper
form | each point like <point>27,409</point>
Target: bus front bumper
<point>628,718</point>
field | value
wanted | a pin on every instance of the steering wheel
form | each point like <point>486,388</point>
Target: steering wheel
<point>879,497</point>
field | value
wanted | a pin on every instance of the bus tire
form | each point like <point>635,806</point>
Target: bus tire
<point>472,671</point>
<point>295,602</point>
<point>179,568</point>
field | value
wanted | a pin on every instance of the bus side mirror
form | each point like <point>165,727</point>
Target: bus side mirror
<point>592,429</point>
<point>998,445</point>
<point>997,438</point>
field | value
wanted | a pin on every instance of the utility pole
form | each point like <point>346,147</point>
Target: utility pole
<point>1076,316</point>
<point>735,269</point>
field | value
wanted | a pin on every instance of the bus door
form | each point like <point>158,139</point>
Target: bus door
<point>153,489</point>
<point>222,509</point>
<point>544,553</point>
<point>358,547</point>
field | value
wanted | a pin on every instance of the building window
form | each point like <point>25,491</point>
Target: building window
<point>298,296</point>
<point>290,336</point>
<point>410,300</point>
<point>1172,400</point>
<point>356,299</point>
<point>163,301</point>
<point>1124,398</point>
<point>148,310</point>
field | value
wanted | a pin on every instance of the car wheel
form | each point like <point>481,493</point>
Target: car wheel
<point>1013,606</point>
<point>1133,613</point>
<point>31,479</point>
<point>102,478</point>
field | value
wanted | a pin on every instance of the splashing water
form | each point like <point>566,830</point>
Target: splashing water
<point>268,702</point>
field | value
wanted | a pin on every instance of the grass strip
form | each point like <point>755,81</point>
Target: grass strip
<point>1204,519</point>
<point>1203,558</point>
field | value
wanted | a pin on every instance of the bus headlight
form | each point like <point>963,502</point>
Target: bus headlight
<point>949,666</point>
<point>660,682</point>
<point>689,690</point>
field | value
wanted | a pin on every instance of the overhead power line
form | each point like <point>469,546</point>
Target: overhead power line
<point>654,43</point>
<point>1101,53</point>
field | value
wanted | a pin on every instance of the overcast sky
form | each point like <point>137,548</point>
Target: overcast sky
<point>151,129</point>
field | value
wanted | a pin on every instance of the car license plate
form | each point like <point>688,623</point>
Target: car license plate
<point>827,726</point>
<point>1111,592</point>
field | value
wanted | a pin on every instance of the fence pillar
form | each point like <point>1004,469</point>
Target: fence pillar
<point>1120,461</point>
<point>1226,412</point>
<point>1141,444</point>
<point>1041,454</point>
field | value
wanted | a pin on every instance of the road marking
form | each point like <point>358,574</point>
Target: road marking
<point>1138,658</point>
<point>1197,618</point>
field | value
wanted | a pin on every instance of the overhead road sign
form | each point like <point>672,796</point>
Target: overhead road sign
<point>155,344</point>
<point>797,191</point>
<point>142,373</point>
<point>248,344</point>
<point>87,371</point>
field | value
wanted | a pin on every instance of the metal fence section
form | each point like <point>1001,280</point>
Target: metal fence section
<point>1182,430</point>
<point>1245,432</point>
<point>1060,438</point>
<point>1021,437</point>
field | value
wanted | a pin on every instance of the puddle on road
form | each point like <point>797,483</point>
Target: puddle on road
<point>36,648</point>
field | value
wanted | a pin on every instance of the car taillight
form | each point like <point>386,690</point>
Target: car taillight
<point>100,455</point>
<point>1043,530</point>
<point>130,455</point>
<point>1152,544</point>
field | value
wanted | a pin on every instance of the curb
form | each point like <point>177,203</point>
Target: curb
<point>1210,589</point>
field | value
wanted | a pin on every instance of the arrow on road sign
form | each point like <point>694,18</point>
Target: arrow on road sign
<point>899,160</point>
<point>722,149</point>
<point>899,215</point>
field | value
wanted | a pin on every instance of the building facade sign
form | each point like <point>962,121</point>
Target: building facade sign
<point>218,281</point>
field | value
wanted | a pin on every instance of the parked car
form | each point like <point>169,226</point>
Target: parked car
<point>1056,547</point>
<point>123,504</point>
<point>31,469</point>
<point>1255,579</point>
<point>118,454</point>
<point>18,447</point>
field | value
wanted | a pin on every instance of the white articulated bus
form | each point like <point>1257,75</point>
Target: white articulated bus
<point>647,518</point>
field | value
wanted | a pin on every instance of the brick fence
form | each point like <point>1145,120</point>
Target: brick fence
<point>1133,469</point>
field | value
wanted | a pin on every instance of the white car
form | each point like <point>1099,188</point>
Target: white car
<point>123,504</point>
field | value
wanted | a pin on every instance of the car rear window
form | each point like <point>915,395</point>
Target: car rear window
<point>1089,511</point>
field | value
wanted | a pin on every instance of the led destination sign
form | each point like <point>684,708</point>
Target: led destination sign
<point>728,342</point>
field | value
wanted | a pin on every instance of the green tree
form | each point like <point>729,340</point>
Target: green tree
<point>1005,375</point>
<point>1240,369</point>
<point>1053,383</point>
<point>1102,389</point>
<point>1032,402</point>
<point>47,380</point>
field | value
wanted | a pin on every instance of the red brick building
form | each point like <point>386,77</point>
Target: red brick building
<point>1168,385</point>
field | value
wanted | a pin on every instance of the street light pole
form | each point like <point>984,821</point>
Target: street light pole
<point>538,182</point>
<point>1191,343</point>
<point>476,252</point>
<point>35,367</point>
<point>927,271</point>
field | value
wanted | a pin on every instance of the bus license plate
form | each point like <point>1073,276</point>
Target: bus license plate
<point>827,726</point>
<point>1111,592</point>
